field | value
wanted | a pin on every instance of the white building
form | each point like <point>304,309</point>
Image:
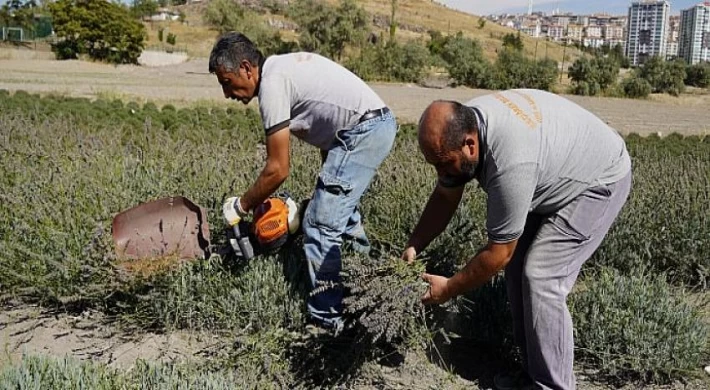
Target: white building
<point>533,30</point>
<point>694,37</point>
<point>555,33</point>
<point>163,14</point>
<point>593,32</point>
<point>647,30</point>
<point>613,32</point>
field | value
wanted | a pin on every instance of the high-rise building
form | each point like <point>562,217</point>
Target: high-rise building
<point>694,39</point>
<point>647,30</point>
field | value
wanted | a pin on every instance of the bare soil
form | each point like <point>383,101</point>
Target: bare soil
<point>29,330</point>
<point>190,83</point>
<point>91,336</point>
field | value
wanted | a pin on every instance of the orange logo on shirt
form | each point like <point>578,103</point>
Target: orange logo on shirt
<point>519,111</point>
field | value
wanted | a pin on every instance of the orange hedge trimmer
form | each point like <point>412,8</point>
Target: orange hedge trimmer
<point>174,229</point>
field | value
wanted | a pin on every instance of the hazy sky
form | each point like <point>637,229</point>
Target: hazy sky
<point>620,7</point>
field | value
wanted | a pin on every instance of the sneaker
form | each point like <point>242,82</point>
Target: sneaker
<point>518,380</point>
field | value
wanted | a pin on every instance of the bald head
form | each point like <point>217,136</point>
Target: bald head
<point>444,126</point>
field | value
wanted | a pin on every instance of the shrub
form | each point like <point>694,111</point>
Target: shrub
<point>663,76</point>
<point>592,76</point>
<point>95,159</point>
<point>329,29</point>
<point>466,63</point>
<point>391,62</point>
<point>514,70</point>
<point>636,87</point>
<point>226,15</point>
<point>383,301</point>
<point>637,327</point>
<point>673,238</point>
<point>513,41</point>
<point>698,75</point>
<point>41,372</point>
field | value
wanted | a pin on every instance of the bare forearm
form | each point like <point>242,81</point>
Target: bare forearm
<point>479,270</point>
<point>436,216</point>
<point>270,179</point>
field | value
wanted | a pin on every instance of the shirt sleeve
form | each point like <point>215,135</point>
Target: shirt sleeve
<point>510,195</point>
<point>275,102</point>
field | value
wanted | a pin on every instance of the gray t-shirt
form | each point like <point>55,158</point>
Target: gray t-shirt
<point>312,95</point>
<point>540,151</point>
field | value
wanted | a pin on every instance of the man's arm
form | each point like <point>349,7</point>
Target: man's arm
<point>480,269</point>
<point>274,173</point>
<point>441,206</point>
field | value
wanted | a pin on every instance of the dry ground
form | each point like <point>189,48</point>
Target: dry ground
<point>189,83</point>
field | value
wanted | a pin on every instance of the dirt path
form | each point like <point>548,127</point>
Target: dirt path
<point>189,82</point>
<point>28,330</point>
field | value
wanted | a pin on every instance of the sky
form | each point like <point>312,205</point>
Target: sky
<point>614,7</point>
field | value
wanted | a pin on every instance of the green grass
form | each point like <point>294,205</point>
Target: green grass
<point>67,166</point>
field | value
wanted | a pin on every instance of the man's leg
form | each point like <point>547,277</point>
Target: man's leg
<point>563,243</point>
<point>349,167</point>
<point>355,233</point>
<point>514,281</point>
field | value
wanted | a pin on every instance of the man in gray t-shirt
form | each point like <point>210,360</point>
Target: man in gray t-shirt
<point>329,107</point>
<point>556,177</point>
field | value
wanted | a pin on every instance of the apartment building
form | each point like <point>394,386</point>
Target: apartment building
<point>694,35</point>
<point>647,30</point>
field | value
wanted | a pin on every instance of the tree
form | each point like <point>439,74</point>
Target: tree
<point>15,13</point>
<point>328,30</point>
<point>481,23</point>
<point>105,31</point>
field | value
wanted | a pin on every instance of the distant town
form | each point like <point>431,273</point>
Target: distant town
<point>647,30</point>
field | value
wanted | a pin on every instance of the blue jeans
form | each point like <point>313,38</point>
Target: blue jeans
<point>333,214</point>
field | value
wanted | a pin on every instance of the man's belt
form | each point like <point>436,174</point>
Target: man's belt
<point>372,114</point>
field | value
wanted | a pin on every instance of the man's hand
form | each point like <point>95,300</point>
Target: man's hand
<point>438,291</point>
<point>233,211</point>
<point>409,255</point>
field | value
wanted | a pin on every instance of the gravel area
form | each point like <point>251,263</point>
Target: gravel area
<point>189,82</point>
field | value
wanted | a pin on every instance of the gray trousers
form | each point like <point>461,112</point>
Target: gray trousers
<point>544,267</point>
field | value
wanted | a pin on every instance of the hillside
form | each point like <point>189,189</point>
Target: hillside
<point>415,19</point>
<point>430,15</point>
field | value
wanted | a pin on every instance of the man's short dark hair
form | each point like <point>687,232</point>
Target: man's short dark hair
<point>231,49</point>
<point>462,121</point>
